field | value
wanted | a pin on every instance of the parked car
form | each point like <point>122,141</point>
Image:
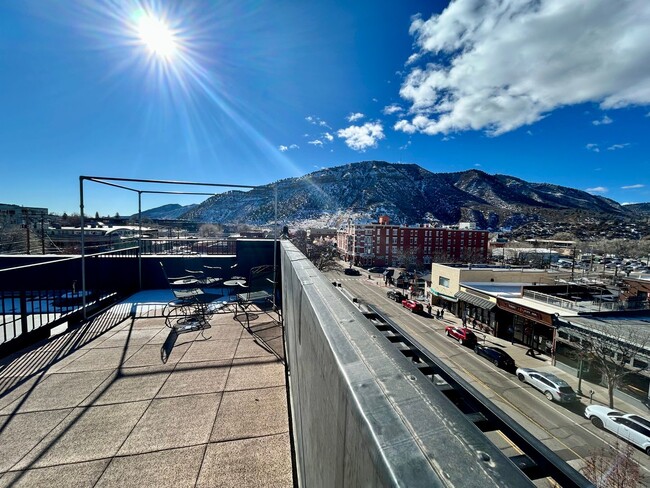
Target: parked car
<point>498,356</point>
<point>633,428</point>
<point>412,305</point>
<point>463,335</point>
<point>395,295</point>
<point>554,388</point>
<point>376,269</point>
<point>351,272</point>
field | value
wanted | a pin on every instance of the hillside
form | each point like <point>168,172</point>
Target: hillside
<point>409,194</point>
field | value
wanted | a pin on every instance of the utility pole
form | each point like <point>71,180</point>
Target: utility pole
<point>27,229</point>
<point>42,236</point>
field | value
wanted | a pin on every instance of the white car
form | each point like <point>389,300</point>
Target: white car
<point>553,387</point>
<point>633,428</point>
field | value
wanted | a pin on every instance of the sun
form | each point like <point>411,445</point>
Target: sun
<point>157,36</point>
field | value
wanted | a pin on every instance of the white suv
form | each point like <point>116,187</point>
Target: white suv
<point>633,428</point>
<point>553,387</point>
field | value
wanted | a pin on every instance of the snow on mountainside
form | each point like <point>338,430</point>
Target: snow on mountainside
<point>408,193</point>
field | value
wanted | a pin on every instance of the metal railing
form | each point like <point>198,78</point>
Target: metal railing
<point>597,305</point>
<point>184,246</point>
<point>36,298</point>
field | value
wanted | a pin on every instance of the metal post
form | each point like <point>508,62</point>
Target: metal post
<point>83,247</point>
<point>579,391</point>
<point>140,240</point>
<point>275,246</point>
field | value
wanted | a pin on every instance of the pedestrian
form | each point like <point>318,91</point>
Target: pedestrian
<point>442,313</point>
<point>530,352</point>
<point>438,314</point>
<point>474,323</point>
<point>429,308</point>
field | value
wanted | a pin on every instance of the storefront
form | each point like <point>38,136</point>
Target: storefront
<point>444,301</point>
<point>530,327</point>
<point>477,311</point>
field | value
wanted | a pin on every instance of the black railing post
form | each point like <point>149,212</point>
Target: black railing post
<point>23,313</point>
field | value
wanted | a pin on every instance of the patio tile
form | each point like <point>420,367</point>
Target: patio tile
<point>129,385</point>
<point>98,359</point>
<point>263,461</point>
<point>149,355</point>
<point>175,468</point>
<point>173,422</point>
<point>127,336</point>
<point>195,378</point>
<point>250,347</point>
<point>12,388</point>
<point>20,433</point>
<point>59,390</point>
<point>211,350</point>
<point>252,373</point>
<point>87,434</point>
<point>251,413</point>
<point>77,475</point>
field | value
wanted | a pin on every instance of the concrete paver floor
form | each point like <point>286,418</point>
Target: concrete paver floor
<point>96,406</point>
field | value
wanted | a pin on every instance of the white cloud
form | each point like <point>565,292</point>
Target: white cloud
<point>632,187</point>
<point>316,142</point>
<point>604,121</point>
<point>615,147</point>
<point>393,108</point>
<point>355,116</point>
<point>593,147</point>
<point>286,148</point>
<point>316,121</point>
<point>497,65</point>
<point>328,136</point>
<point>362,137</point>
<point>597,189</point>
<point>478,165</point>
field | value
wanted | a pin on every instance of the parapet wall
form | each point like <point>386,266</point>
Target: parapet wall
<point>362,414</point>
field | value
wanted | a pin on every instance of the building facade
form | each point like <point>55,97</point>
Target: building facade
<point>15,214</point>
<point>384,244</point>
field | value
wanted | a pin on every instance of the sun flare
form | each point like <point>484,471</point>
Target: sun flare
<point>157,36</point>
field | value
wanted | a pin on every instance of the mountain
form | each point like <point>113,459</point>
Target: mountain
<point>640,209</point>
<point>170,211</point>
<point>409,194</point>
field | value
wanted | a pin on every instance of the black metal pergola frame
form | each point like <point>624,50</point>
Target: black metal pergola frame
<point>109,181</point>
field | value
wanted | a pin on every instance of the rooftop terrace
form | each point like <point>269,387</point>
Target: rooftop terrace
<point>97,407</point>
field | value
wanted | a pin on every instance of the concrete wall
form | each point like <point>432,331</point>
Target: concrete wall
<point>362,414</point>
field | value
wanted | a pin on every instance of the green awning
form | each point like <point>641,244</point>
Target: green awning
<point>443,296</point>
<point>474,300</point>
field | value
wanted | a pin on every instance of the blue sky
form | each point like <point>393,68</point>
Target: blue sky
<point>248,92</point>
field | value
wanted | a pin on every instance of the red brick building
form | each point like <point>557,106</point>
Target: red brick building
<point>383,244</point>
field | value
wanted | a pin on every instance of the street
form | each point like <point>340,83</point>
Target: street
<point>563,428</point>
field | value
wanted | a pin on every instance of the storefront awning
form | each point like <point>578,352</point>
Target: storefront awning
<point>474,300</point>
<point>443,296</point>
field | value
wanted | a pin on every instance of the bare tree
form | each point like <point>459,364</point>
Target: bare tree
<point>613,467</point>
<point>210,230</point>
<point>406,258</point>
<point>322,252</point>
<point>611,348</point>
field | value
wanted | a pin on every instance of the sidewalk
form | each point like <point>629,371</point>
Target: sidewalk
<point>543,362</point>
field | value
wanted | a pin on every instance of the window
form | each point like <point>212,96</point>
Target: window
<point>442,281</point>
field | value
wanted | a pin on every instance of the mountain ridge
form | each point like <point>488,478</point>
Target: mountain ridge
<point>409,194</point>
